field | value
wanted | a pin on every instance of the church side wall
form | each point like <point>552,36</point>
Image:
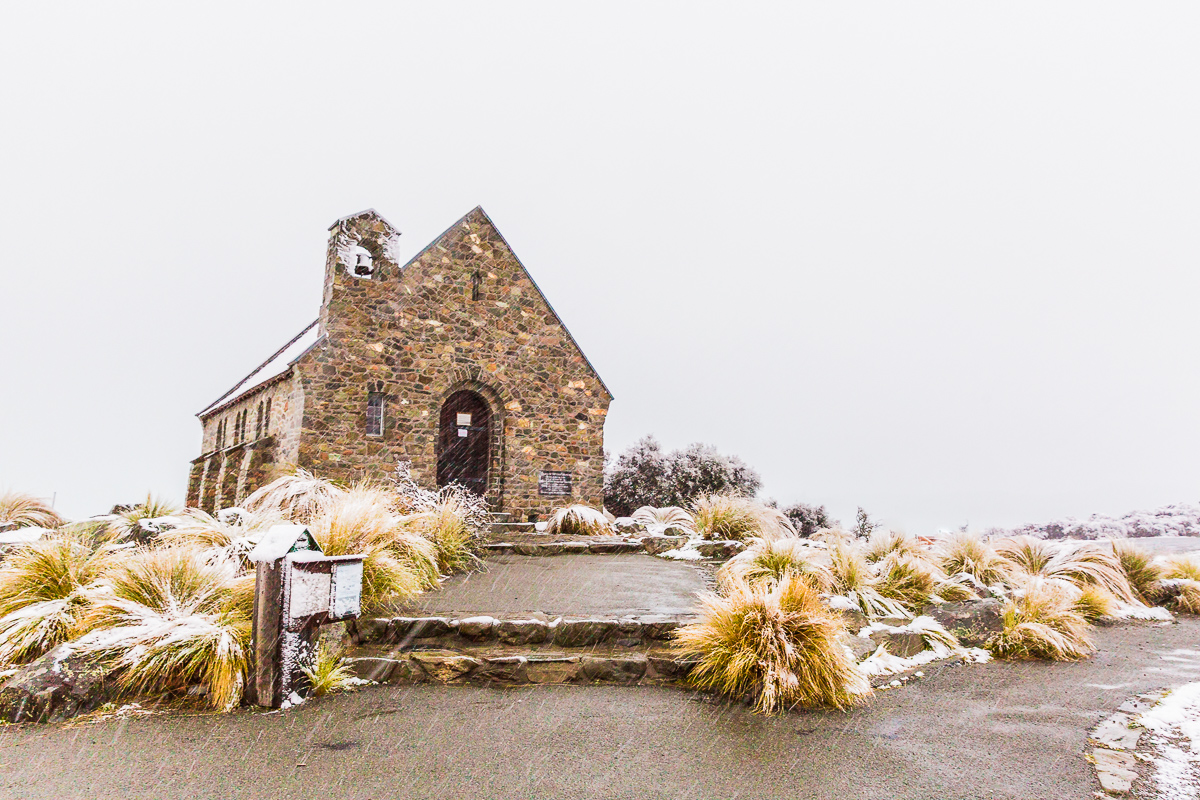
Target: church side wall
<point>224,475</point>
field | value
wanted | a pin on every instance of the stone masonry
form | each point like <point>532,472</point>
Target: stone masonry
<point>463,314</point>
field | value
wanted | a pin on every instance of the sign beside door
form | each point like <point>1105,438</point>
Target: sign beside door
<point>554,484</point>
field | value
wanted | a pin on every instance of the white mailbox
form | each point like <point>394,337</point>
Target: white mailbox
<point>297,588</point>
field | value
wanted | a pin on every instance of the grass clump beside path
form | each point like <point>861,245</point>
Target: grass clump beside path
<point>776,643</point>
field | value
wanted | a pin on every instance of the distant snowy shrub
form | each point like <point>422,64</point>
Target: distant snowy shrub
<point>1182,519</point>
<point>809,519</point>
<point>644,475</point>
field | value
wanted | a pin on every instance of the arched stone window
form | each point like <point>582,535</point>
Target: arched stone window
<point>476,285</point>
<point>267,419</point>
<point>258,423</point>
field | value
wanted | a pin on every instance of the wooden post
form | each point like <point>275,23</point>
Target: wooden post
<point>266,688</point>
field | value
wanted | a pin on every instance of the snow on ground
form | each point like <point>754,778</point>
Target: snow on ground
<point>1174,728</point>
<point>1143,612</point>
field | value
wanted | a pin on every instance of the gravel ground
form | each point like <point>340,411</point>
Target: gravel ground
<point>998,730</point>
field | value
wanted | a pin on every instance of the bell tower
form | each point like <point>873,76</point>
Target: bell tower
<point>362,251</point>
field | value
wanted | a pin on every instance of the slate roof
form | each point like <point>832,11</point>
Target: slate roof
<point>274,367</point>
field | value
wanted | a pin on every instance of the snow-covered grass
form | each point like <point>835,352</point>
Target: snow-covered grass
<point>43,595</point>
<point>770,561</point>
<point>170,618</point>
<point>1042,622</point>
<point>735,517</point>
<point>579,520</point>
<point>660,520</point>
<point>299,497</point>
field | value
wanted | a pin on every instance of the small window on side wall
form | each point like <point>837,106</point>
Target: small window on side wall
<point>375,413</point>
<point>267,419</point>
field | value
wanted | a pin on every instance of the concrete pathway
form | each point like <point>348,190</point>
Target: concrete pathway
<point>999,730</point>
<point>579,585</point>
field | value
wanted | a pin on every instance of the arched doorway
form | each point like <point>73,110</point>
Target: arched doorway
<point>464,441</point>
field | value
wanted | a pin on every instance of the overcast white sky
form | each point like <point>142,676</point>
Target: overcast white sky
<point>938,260</point>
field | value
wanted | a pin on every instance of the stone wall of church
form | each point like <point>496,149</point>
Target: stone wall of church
<point>229,470</point>
<point>462,314</point>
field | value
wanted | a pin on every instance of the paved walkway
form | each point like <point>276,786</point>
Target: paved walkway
<point>999,730</point>
<point>579,585</point>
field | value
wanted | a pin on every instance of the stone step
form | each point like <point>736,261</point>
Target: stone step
<point>512,527</point>
<point>607,545</point>
<point>434,631</point>
<point>509,666</point>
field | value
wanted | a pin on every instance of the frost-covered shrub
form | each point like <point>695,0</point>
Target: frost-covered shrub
<point>809,519</point>
<point>1182,519</point>
<point>646,476</point>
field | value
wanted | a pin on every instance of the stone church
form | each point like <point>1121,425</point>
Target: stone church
<point>454,361</point>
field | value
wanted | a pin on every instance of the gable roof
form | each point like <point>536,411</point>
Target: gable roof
<point>525,270</point>
<point>274,367</point>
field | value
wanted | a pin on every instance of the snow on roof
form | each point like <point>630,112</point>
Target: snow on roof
<point>279,542</point>
<point>273,367</point>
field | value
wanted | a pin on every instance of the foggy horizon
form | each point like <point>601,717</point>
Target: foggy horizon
<point>934,262</point>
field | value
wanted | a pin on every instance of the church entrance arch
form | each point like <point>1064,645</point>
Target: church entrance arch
<point>464,441</point>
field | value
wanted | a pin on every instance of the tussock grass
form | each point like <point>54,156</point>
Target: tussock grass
<point>1187,599</point>
<point>300,497</point>
<point>954,590</point>
<point>232,535</point>
<point>454,544</point>
<point>908,580</point>
<point>25,511</point>
<point>1141,573</point>
<point>329,673</point>
<point>1026,554</point>
<point>662,519</point>
<point>42,596</point>
<point>967,552</point>
<point>1095,602</point>
<point>1042,623</point>
<point>1182,567</point>
<point>133,525</point>
<point>1082,563</point>
<point>769,561</point>
<point>735,517</point>
<point>398,563</point>
<point>775,643</point>
<point>852,577</point>
<point>883,543</point>
<point>578,520</point>
<point>171,618</point>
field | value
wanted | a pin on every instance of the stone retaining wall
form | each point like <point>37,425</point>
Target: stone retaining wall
<point>406,631</point>
<point>447,666</point>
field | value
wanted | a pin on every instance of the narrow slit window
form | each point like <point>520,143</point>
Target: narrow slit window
<point>258,422</point>
<point>267,419</point>
<point>374,413</point>
<point>476,281</point>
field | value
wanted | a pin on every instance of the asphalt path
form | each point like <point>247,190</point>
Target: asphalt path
<point>578,585</point>
<point>998,730</point>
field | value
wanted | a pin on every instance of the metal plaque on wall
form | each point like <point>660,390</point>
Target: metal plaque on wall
<point>551,483</point>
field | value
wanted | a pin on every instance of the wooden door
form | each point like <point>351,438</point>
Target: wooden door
<point>464,441</point>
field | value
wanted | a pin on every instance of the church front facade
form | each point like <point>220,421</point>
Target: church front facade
<point>453,362</point>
